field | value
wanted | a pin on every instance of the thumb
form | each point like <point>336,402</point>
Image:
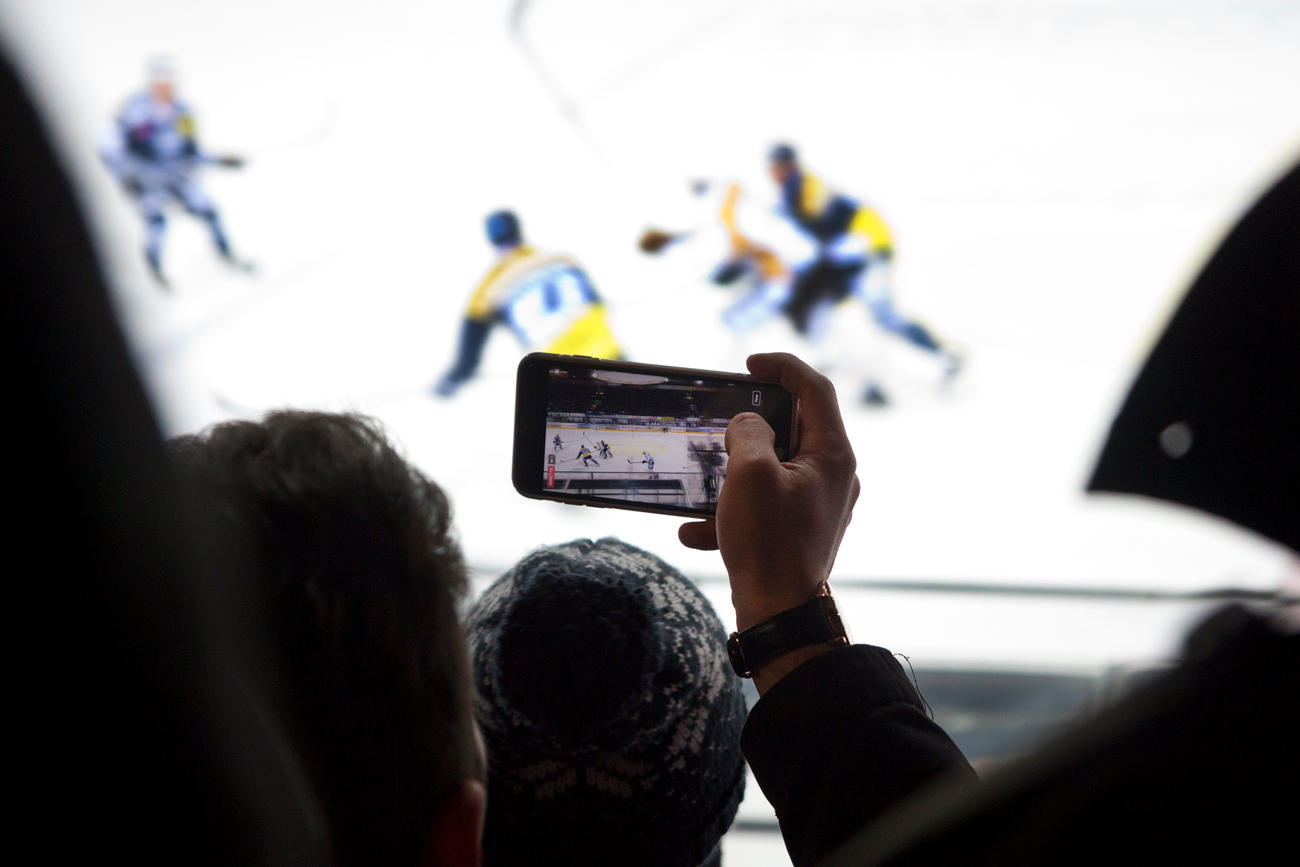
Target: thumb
<point>699,534</point>
<point>749,439</point>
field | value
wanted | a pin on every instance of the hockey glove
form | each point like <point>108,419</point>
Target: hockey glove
<point>654,241</point>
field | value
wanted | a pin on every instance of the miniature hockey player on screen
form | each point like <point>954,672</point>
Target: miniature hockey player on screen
<point>855,249</point>
<point>648,460</point>
<point>547,301</point>
<point>153,152</point>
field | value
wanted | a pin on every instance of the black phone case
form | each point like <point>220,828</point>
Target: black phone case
<point>687,488</point>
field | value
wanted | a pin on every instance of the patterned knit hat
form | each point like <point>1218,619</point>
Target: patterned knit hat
<point>611,714</point>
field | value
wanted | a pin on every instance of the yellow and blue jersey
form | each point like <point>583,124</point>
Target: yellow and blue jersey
<point>548,301</point>
<point>829,216</point>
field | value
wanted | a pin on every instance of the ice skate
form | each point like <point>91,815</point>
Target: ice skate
<point>235,263</point>
<point>874,395</point>
<point>952,362</point>
<point>155,271</point>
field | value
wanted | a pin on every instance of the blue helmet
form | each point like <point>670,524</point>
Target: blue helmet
<point>502,229</point>
<point>782,153</point>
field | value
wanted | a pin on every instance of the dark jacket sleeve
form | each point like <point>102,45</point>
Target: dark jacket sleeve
<point>1191,768</point>
<point>839,740</point>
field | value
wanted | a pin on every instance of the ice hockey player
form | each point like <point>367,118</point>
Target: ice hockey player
<point>584,454</point>
<point>557,443</point>
<point>647,460</point>
<point>855,250</point>
<point>742,259</point>
<point>152,150</point>
<point>547,301</point>
<point>604,449</point>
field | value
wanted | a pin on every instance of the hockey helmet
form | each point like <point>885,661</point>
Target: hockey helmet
<point>161,70</point>
<point>503,229</point>
<point>782,153</point>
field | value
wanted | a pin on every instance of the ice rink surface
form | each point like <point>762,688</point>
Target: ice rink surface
<point>1055,173</point>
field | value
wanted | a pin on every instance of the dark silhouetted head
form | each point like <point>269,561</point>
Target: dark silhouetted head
<point>363,581</point>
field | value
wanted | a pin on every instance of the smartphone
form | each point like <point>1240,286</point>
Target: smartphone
<point>634,436</point>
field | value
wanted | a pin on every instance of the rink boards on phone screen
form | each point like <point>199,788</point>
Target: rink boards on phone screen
<point>640,437</point>
<point>662,464</point>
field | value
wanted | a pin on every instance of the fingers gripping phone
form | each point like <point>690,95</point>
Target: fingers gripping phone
<point>634,436</point>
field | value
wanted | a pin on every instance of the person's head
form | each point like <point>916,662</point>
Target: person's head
<point>782,162</point>
<point>503,230</point>
<point>363,581</point>
<point>162,79</point>
<point>611,714</point>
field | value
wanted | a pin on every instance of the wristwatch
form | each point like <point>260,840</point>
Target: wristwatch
<point>817,621</point>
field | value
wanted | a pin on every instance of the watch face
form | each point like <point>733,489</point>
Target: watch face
<point>737,655</point>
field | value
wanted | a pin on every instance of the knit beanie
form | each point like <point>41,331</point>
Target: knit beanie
<point>611,714</point>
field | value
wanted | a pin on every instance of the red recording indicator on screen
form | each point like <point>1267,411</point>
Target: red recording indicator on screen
<point>550,476</point>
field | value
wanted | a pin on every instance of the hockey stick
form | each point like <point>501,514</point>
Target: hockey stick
<point>567,108</point>
<point>694,33</point>
<point>312,134</point>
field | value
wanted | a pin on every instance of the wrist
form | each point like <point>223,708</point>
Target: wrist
<point>774,646</point>
<point>754,607</point>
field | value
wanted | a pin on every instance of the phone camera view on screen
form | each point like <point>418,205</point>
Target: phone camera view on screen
<point>650,438</point>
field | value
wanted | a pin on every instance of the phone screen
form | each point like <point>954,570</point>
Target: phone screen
<point>637,436</point>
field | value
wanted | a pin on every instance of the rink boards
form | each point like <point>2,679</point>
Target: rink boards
<point>677,477</point>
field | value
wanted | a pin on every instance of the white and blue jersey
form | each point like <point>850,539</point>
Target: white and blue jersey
<point>152,150</point>
<point>152,145</point>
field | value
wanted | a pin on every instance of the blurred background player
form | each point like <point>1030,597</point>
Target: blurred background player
<point>854,251</point>
<point>742,260</point>
<point>153,152</point>
<point>547,300</point>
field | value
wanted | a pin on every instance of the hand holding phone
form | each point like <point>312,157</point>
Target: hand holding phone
<point>779,522</point>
